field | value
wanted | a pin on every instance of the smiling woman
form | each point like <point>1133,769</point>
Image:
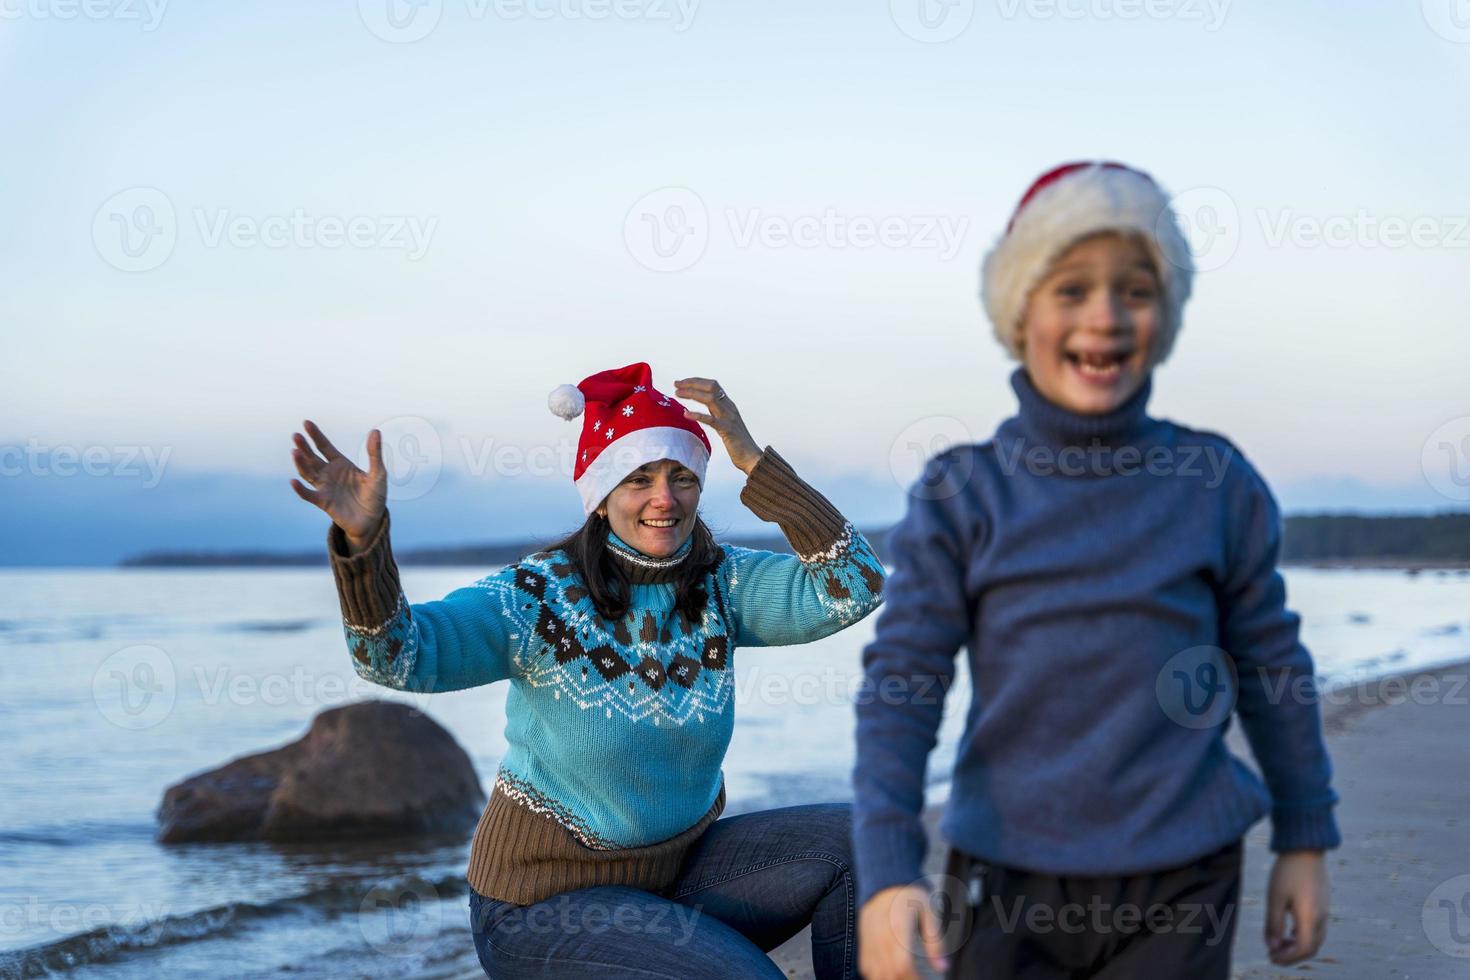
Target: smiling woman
<point>619,646</point>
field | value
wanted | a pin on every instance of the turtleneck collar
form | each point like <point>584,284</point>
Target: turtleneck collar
<point>1051,424</point>
<point>642,569</point>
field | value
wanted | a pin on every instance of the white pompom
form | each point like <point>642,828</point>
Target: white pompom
<point>566,401</point>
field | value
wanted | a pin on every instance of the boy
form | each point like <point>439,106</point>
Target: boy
<point>1114,579</point>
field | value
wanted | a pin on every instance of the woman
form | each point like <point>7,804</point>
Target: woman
<point>601,851</point>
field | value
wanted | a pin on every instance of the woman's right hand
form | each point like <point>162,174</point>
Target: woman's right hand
<point>354,500</point>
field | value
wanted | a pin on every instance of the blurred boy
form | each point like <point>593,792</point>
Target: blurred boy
<point>1114,579</point>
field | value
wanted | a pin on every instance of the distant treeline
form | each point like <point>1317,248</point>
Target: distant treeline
<point>487,555</point>
<point>1439,539</point>
<point>1432,539</point>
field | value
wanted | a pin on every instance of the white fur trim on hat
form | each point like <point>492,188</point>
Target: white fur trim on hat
<point>1082,203</point>
<point>626,453</point>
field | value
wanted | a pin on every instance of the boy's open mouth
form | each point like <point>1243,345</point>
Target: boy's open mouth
<point>1098,365</point>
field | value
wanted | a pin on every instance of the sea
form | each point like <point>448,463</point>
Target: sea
<point>117,683</point>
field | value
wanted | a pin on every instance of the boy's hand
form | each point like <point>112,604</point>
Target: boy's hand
<point>1298,887</point>
<point>886,934</point>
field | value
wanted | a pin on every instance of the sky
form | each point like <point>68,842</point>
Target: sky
<point>221,220</point>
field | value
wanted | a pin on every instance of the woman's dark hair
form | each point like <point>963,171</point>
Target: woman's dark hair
<point>608,584</point>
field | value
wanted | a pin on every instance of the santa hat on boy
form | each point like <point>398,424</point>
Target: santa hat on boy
<point>628,423</point>
<point>1070,203</point>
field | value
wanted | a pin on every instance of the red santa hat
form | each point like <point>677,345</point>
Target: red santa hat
<point>628,423</point>
<point>1070,203</point>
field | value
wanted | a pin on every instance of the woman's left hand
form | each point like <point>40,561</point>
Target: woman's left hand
<point>723,417</point>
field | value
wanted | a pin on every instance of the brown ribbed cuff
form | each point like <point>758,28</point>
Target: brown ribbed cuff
<point>524,857</point>
<point>774,492</point>
<point>367,582</point>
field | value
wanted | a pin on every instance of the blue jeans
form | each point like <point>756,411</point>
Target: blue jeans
<point>751,882</point>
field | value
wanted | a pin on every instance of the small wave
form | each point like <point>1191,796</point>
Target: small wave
<point>448,955</point>
<point>60,629</point>
<point>108,943</point>
<point>81,833</point>
<point>20,631</point>
<point>111,943</point>
<point>62,634</point>
<point>270,626</point>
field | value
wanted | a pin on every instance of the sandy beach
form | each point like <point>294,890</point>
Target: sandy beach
<point>1398,750</point>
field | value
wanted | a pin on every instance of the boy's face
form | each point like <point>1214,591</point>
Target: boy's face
<point>1091,325</point>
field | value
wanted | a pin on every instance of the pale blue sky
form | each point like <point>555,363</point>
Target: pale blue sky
<point>518,145</point>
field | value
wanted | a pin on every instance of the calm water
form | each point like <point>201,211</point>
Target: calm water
<point>119,683</point>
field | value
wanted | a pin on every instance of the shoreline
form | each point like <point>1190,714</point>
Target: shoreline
<point>1411,565</point>
<point>1405,819</point>
<point>1408,686</point>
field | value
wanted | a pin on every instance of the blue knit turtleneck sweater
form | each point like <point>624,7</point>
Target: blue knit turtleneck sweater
<point>1107,574</point>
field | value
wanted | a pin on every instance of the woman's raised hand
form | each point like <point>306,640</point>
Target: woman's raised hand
<point>723,417</point>
<point>354,500</point>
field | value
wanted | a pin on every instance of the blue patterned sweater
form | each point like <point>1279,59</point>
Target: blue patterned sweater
<point>616,730</point>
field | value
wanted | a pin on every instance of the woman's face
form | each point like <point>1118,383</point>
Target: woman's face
<point>653,509</point>
<point>1091,325</point>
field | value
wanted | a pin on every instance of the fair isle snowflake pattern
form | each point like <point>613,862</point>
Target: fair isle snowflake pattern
<point>628,410</point>
<point>387,652</point>
<point>536,801</point>
<point>849,574</point>
<point>670,673</point>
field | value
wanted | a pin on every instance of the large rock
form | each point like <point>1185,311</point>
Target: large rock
<point>372,769</point>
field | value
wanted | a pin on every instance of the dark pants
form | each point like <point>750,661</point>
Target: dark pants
<point>1176,923</point>
<point>752,882</point>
